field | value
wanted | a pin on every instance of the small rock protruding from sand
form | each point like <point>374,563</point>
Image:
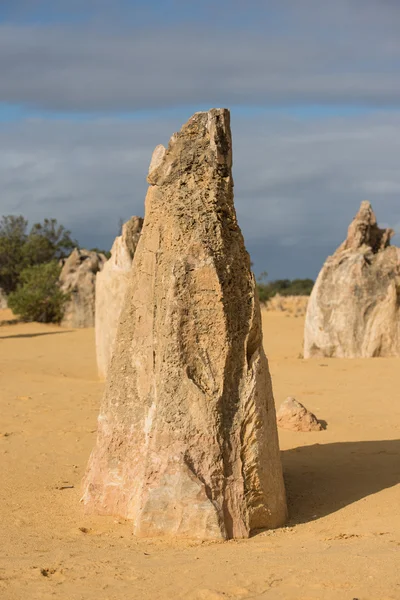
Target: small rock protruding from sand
<point>354,308</point>
<point>295,416</point>
<point>78,278</point>
<point>187,440</point>
<point>111,285</point>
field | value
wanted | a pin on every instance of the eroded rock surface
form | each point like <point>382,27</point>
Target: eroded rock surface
<point>78,278</point>
<point>187,440</point>
<point>354,307</point>
<point>111,285</point>
<point>295,416</point>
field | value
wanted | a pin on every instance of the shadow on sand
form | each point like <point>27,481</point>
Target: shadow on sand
<point>32,335</point>
<point>323,478</point>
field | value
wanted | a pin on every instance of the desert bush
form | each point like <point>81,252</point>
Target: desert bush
<point>284,287</point>
<point>19,249</point>
<point>38,296</point>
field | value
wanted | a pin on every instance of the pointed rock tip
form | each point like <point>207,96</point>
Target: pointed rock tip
<point>156,160</point>
<point>365,204</point>
<point>214,124</point>
<point>364,231</point>
<point>366,211</point>
<point>212,112</point>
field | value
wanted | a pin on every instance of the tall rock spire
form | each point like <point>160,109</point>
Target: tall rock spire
<point>111,285</point>
<point>187,442</point>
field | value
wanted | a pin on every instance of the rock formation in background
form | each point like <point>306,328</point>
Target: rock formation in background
<point>78,278</point>
<point>111,284</point>
<point>354,307</point>
<point>3,299</point>
<point>294,416</point>
<point>187,440</point>
<point>293,305</point>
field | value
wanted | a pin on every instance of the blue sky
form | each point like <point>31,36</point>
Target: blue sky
<point>89,87</point>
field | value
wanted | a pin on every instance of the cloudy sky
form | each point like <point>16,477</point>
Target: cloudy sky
<point>89,87</point>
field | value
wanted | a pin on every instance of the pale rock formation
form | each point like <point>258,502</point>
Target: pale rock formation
<point>293,305</point>
<point>111,284</point>
<point>354,308</point>
<point>3,299</point>
<point>187,440</point>
<point>294,416</point>
<point>78,278</point>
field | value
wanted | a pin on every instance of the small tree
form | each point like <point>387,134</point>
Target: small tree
<point>12,242</point>
<point>38,296</point>
<point>283,287</point>
<point>48,241</point>
<point>45,242</point>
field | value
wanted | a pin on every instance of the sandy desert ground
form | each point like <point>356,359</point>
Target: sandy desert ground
<point>343,537</point>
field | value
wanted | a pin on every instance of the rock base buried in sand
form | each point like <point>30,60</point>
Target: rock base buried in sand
<point>294,416</point>
<point>187,440</point>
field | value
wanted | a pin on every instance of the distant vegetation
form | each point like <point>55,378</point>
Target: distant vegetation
<point>19,249</point>
<point>283,287</point>
<point>30,267</point>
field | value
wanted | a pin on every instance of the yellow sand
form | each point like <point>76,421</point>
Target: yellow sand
<point>342,540</point>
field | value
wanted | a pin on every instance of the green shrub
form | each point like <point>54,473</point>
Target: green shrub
<point>19,249</point>
<point>38,296</point>
<point>263,292</point>
<point>284,287</point>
